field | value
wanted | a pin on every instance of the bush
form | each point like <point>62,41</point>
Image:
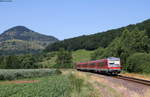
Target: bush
<point>12,74</point>
<point>139,62</point>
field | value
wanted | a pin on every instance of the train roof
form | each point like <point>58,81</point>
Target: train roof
<point>113,58</point>
<point>109,58</point>
<point>93,61</point>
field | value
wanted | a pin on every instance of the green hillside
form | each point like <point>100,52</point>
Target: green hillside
<point>82,56</point>
<point>19,46</point>
<point>78,56</point>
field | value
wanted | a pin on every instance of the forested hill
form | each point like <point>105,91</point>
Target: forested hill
<point>20,40</point>
<point>101,39</point>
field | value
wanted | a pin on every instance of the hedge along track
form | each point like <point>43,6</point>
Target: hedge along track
<point>136,80</point>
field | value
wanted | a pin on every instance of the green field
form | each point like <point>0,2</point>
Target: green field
<point>67,85</point>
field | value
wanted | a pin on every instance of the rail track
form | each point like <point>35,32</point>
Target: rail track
<point>141,81</point>
<point>132,79</point>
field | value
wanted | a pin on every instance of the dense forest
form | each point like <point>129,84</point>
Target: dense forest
<point>92,42</point>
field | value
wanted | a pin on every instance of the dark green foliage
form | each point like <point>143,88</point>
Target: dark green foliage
<point>139,62</point>
<point>92,42</point>
<point>89,42</point>
<point>16,62</point>
<point>9,62</point>
<point>28,61</point>
<point>64,58</point>
<point>2,62</point>
<point>12,62</point>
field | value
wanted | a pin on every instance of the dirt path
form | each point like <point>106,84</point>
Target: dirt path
<point>19,82</point>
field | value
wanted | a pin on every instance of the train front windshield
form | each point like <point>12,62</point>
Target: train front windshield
<point>114,62</point>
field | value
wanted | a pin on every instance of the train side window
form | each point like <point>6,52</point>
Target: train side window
<point>91,63</point>
<point>85,64</point>
<point>101,64</point>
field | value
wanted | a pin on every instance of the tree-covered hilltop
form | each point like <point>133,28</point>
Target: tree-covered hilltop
<point>21,40</point>
<point>94,41</point>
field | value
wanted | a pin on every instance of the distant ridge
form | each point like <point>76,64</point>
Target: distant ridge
<point>20,40</point>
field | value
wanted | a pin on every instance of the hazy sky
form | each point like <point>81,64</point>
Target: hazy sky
<point>69,18</point>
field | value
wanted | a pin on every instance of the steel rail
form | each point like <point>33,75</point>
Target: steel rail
<point>137,80</point>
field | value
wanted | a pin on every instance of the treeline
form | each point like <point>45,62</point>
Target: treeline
<point>92,42</point>
<point>33,61</point>
<point>132,47</point>
<point>27,61</point>
<point>17,52</point>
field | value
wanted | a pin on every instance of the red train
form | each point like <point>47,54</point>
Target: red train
<point>109,65</point>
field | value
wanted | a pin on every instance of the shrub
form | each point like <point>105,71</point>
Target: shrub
<point>139,62</point>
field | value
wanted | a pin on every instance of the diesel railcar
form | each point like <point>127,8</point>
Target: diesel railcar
<point>109,65</point>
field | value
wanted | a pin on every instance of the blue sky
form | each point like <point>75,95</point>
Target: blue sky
<point>70,18</point>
